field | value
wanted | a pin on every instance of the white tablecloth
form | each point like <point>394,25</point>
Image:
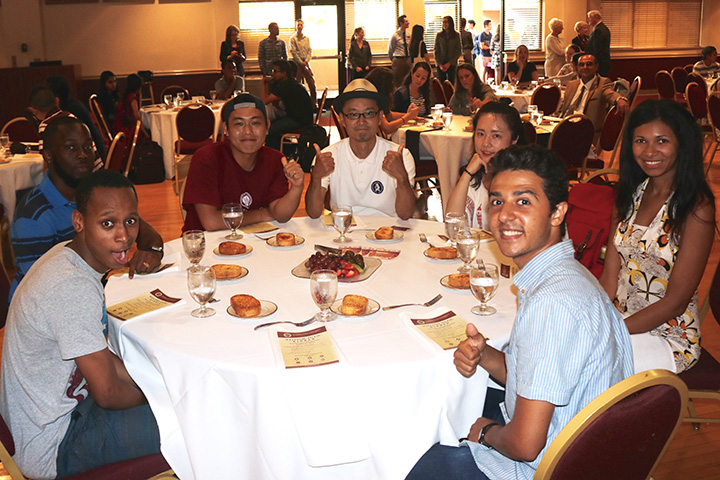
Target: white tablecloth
<point>22,171</point>
<point>227,410</point>
<point>520,98</point>
<point>161,123</point>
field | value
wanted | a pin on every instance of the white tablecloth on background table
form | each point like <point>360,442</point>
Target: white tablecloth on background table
<point>22,171</point>
<point>227,410</point>
<point>520,98</point>
<point>161,123</point>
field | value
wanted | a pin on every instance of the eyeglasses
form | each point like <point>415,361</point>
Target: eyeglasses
<point>586,64</point>
<point>357,115</point>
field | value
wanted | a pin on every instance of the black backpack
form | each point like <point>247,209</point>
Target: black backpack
<point>148,165</point>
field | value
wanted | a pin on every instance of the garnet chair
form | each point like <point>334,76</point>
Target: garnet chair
<point>19,129</point>
<point>688,68</point>
<point>610,135</point>
<point>572,139</point>
<point>695,78</point>
<point>448,90</point>
<point>622,434</point>
<point>336,120</point>
<point>703,379</point>
<point>546,97</point>
<point>665,85</point>
<point>679,76</point>
<point>292,138</point>
<point>713,109</point>
<point>634,89</point>
<point>116,157</point>
<point>173,90</point>
<point>151,467</point>
<point>604,176</point>
<point>99,119</point>
<point>530,132</point>
<point>133,145</point>
<point>438,91</point>
<point>195,124</point>
<point>4,281</point>
<point>696,96</point>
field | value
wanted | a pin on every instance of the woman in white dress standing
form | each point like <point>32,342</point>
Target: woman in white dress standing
<point>554,48</point>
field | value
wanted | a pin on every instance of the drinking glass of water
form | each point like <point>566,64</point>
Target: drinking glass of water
<point>323,288</point>
<point>454,221</point>
<point>447,119</point>
<point>201,285</point>
<point>342,219</point>
<point>483,284</point>
<point>193,242</point>
<point>468,245</point>
<point>233,214</point>
<point>168,99</point>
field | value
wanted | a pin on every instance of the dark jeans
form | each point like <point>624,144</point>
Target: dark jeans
<point>456,463</point>
<point>98,436</point>
<point>449,75</point>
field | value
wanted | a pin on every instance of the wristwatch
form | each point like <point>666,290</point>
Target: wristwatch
<point>154,249</point>
<point>484,430</point>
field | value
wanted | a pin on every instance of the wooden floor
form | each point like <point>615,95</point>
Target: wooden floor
<point>693,454</point>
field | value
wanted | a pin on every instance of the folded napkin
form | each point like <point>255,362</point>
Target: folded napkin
<point>260,227</point>
<point>650,352</point>
<point>327,415</point>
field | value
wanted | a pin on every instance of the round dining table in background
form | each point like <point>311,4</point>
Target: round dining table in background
<point>228,408</point>
<point>18,173</point>
<point>161,123</point>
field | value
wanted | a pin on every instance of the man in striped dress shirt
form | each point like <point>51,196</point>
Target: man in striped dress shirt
<point>567,346</point>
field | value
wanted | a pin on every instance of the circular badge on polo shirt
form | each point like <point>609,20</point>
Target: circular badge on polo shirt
<point>246,200</point>
<point>377,187</point>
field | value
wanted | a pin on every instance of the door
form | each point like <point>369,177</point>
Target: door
<point>325,26</point>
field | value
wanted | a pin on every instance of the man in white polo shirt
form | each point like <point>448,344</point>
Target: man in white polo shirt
<point>369,173</point>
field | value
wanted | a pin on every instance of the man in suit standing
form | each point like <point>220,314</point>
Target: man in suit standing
<point>591,94</point>
<point>599,42</point>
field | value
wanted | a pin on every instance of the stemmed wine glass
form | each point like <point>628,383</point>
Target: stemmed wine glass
<point>5,143</point>
<point>168,99</point>
<point>484,284</point>
<point>201,285</point>
<point>193,242</point>
<point>181,97</point>
<point>342,219</point>
<point>233,214</point>
<point>323,288</point>
<point>454,221</point>
<point>468,245</point>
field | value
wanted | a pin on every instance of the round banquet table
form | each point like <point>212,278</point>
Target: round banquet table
<point>161,122</point>
<point>520,98</point>
<point>227,407</point>
<point>18,173</point>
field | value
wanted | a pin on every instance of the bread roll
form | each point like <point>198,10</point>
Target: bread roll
<point>354,305</point>
<point>442,252</point>
<point>384,233</point>
<point>224,271</point>
<point>232,248</point>
<point>285,239</point>
<point>459,280</point>
<point>245,305</point>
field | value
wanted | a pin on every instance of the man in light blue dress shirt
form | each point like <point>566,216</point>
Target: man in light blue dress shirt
<point>567,346</point>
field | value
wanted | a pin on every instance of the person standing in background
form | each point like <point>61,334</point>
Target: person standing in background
<point>359,55</point>
<point>270,50</point>
<point>483,49</point>
<point>233,49</point>
<point>399,51</point>
<point>301,54</point>
<point>108,97</point>
<point>467,42</point>
<point>582,29</point>
<point>447,50</point>
<point>599,42</point>
<point>418,49</point>
<point>554,48</point>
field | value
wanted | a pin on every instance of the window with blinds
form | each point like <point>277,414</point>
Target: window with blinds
<point>653,23</point>
<point>256,16</point>
<point>435,10</point>
<point>523,24</point>
<point>377,17</point>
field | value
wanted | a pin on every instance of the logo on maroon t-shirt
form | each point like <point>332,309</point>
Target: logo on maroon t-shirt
<point>77,386</point>
<point>246,200</point>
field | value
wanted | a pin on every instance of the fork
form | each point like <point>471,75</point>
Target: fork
<point>426,304</point>
<point>300,324</point>
<point>423,239</point>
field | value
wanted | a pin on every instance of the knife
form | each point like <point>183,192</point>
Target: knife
<point>325,249</point>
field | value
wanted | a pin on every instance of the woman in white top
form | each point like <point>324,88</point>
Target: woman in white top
<point>496,126</point>
<point>554,48</point>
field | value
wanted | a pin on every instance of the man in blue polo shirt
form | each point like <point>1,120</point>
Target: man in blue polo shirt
<point>44,217</point>
<point>567,346</point>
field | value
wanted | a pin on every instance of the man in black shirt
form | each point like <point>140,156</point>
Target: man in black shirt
<point>294,97</point>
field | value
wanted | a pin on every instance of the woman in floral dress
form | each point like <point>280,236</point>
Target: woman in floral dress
<point>665,213</point>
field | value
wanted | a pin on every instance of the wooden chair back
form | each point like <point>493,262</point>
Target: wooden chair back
<point>116,157</point>
<point>20,129</point>
<point>99,118</point>
<point>546,97</point>
<point>438,92</point>
<point>665,85</point>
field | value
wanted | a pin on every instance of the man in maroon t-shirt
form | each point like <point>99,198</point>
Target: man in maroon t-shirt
<point>241,170</point>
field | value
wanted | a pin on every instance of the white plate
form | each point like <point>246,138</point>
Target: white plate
<point>372,307</point>
<point>243,271</point>
<point>445,282</point>
<point>444,260</point>
<point>272,241</point>
<point>249,249</point>
<point>397,236</point>
<point>266,308</point>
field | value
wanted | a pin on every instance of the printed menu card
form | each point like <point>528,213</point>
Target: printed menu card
<point>311,348</point>
<point>145,303</point>
<point>447,330</point>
